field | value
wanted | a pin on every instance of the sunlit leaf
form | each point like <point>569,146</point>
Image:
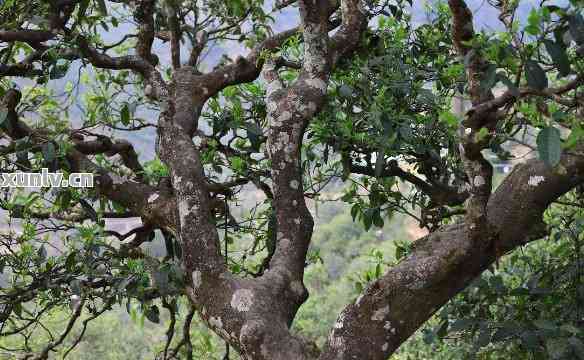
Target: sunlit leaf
<point>536,77</point>
<point>558,55</point>
<point>549,145</point>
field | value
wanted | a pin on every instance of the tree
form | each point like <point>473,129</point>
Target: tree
<point>378,97</point>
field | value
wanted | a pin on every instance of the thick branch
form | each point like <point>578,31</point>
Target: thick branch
<point>144,15</point>
<point>29,36</point>
<point>446,261</point>
<point>235,308</point>
<point>477,168</point>
<point>152,204</point>
<point>104,145</point>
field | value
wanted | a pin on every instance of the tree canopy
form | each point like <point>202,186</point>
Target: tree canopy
<point>212,126</point>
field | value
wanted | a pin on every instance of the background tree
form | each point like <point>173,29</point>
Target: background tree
<point>339,98</point>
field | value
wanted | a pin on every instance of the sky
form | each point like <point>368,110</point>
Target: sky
<point>485,18</point>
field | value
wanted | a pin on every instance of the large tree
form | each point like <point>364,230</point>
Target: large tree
<point>354,91</point>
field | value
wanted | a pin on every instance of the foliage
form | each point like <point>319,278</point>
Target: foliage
<point>529,306</point>
<point>388,142</point>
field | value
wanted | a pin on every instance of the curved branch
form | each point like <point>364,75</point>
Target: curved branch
<point>51,347</point>
<point>151,204</point>
<point>446,261</point>
<point>28,36</point>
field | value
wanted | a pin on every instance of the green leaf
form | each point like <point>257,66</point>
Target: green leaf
<point>31,201</point>
<point>83,5</point>
<point>102,7</point>
<point>42,253</point>
<point>64,199</point>
<point>482,134</point>
<point>377,270</point>
<point>576,23</point>
<point>254,133</point>
<point>70,261</point>
<point>549,145</point>
<point>449,118</point>
<point>576,135</point>
<point>237,163</point>
<point>367,219</point>
<point>125,115</point>
<point>536,77</point>
<point>400,252</point>
<point>490,78</point>
<point>58,71</point>
<point>559,56</point>
<point>346,91</point>
<point>3,116</point>
<point>442,329</point>
<point>152,313</point>
<point>17,309</point>
<point>358,287</point>
<point>533,21</point>
<point>49,152</point>
<point>355,211</point>
<point>377,219</point>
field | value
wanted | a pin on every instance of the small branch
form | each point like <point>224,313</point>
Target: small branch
<point>509,97</point>
<point>175,33</point>
<point>144,16</point>
<point>32,37</point>
<point>50,347</point>
<point>199,43</point>
<point>76,342</point>
<point>186,339</point>
<point>104,145</point>
<point>170,331</point>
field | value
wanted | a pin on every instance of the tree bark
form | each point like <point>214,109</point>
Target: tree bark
<point>443,263</point>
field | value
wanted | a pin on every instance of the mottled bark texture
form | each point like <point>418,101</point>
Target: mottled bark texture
<point>445,262</point>
<point>393,307</point>
<point>237,308</point>
<point>254,315</point>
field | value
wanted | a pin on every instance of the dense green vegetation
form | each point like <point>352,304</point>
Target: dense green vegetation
<point>531,305</point>
<point>385,187</point>
<point>350,258</point>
